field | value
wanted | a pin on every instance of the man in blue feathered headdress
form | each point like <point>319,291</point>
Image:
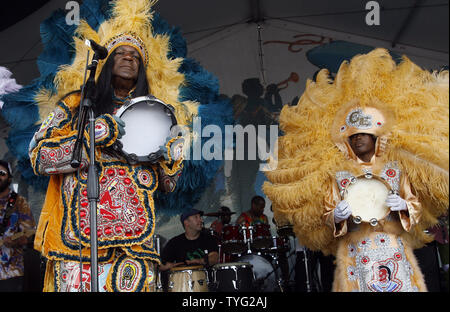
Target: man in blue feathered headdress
<point>127,254</point>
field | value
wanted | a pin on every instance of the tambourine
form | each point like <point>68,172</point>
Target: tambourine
<point>366,194</point>
<point>148,123</point>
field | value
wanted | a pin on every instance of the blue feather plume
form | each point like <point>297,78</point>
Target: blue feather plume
<point>22,113</point>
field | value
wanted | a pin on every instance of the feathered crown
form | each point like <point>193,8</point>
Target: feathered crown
<point>129,39</point>
<point>373,118</point>
<point>362,120</point>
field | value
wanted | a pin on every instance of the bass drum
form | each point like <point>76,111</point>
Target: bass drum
<point>264,272</point>
<point>233,277</point>
<point>232,239</point>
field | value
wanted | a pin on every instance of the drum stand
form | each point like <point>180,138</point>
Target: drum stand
<point>305,258</point>
<point>248,241</point>
<point>279,279</point>
<point>159,287</point>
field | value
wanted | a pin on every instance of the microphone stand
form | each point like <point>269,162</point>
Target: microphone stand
<point>86,110</point>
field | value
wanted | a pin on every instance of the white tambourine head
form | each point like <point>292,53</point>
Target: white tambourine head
<point>146,127</point>
<point>367,198</point>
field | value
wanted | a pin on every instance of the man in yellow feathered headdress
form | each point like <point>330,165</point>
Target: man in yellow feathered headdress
<point>363,169</point>
<point>127,255</point>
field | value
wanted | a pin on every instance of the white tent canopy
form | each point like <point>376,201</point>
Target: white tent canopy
<point>421,24</point>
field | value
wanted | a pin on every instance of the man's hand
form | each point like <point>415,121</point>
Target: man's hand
<point>196,261</point>
<point>173,148</point>
<point>169,265</point>
<point>396,203</point>
<point>342,212</point>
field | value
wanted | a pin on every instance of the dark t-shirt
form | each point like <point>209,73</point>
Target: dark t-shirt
<point>179,248</point>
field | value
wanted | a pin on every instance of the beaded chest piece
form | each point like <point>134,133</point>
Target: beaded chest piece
<point>380,264</point>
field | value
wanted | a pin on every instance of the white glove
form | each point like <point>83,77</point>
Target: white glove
<point>396,203</point>
<point>342,212</point>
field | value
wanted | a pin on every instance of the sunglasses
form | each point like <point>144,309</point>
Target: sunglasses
<point>3,173</point>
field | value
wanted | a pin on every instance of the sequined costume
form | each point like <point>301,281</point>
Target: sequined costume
<point>171,77</point>
<point>126,219</point>
<point>406,108</point>
<point>126,209</point>
<point>375,257</point>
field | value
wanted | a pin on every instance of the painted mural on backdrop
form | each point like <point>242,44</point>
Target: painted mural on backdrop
<point>260,105</point>
<point>240,179</point>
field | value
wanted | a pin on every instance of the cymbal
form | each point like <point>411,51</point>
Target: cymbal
<point>219,214</point>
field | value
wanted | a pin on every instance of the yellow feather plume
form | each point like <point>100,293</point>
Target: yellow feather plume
<point>417,133</point>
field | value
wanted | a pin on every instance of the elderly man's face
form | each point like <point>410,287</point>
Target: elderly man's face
<point>126,63</point>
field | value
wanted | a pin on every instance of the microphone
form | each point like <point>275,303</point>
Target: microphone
<point>100,51</point>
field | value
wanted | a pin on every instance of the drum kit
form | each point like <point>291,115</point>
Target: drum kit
<point>248,261</point>
<point>251,255</point>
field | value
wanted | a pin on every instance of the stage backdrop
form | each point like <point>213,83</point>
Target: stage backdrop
<point>260,68</point>
<point>267,66</point>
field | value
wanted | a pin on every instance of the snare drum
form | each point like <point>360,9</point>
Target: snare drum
<point>233,239</point>
<point>366,195</point>
<point>233,277</point>
<point>148,123</point>
<point>188,279</point>
<point>262,237</point>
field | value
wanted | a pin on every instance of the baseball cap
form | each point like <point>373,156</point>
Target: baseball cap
<point>189,213</point>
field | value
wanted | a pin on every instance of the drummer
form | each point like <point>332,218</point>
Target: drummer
<point>224,215</point>
<point>256,213</point>
<point>193,247</point>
